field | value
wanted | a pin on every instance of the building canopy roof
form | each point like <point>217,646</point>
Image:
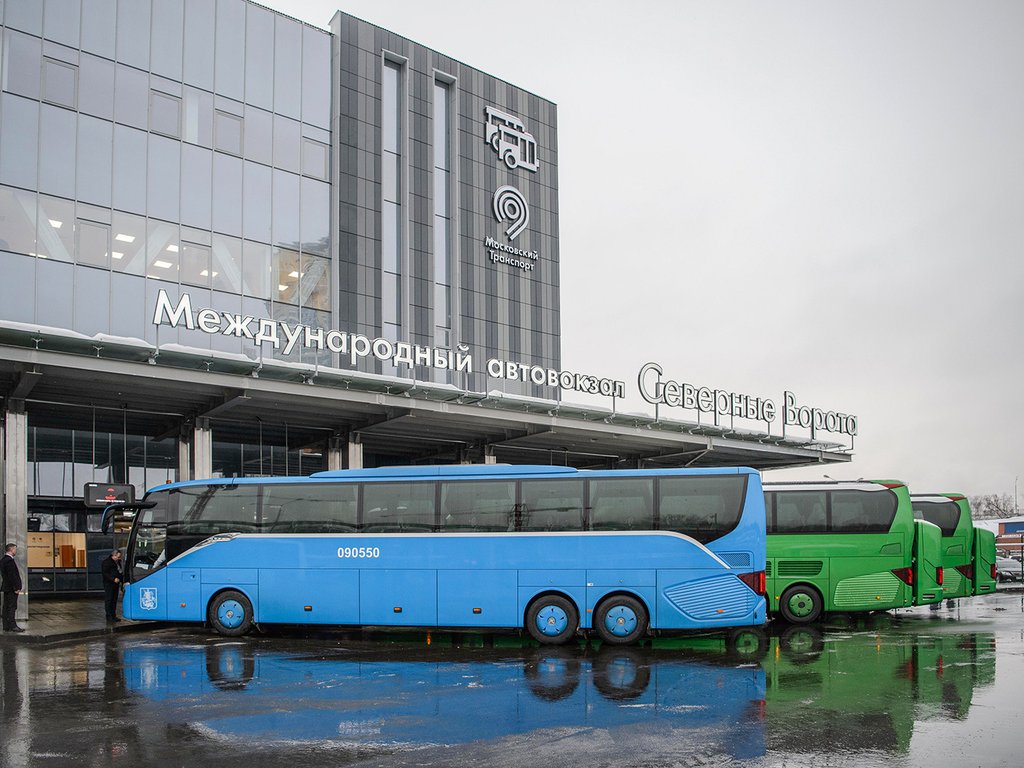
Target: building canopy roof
<point>108,382</point>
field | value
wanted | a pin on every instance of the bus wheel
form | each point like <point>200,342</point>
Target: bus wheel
<point>800,604</point>
<point>231,614</point>
<point>620,620</point>
<point>551,620</point>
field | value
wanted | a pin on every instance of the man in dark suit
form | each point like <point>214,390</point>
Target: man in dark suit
<point>113,577</point>
<point>10,586</point>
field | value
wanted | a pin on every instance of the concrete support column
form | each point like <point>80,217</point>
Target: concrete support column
<point>15,487</point>
<point>489,457</point>
<point>3,505</point>
<point>202,449</point>
<point>335,454</point>
<point>184,455</point>
<point>355,452</point>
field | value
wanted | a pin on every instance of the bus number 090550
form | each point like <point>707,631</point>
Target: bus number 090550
<point>358,551</point>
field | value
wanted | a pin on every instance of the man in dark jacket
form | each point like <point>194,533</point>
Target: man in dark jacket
<point>112,580</point>
<point>10,586</point>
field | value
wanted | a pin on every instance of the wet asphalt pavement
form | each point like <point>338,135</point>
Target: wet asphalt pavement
<point>922,688</point>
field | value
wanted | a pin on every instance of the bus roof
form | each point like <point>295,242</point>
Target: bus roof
<point>811,485</point>
<point>939,497</point>
<point>455,472</point>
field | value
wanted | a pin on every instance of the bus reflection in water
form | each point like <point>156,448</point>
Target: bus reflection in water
<point>864,691</point>
<point>372,700</point>
<point>800,692</point>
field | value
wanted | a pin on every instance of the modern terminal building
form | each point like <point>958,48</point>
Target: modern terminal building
<point>233,243</point>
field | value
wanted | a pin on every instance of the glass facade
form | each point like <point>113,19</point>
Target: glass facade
<point>62,461</point>
<point>174,144</point>
<point>269,170</point>
<point>65,545</point>
<point>186,146</point>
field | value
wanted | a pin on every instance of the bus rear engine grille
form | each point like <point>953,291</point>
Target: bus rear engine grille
<point>800,567</point>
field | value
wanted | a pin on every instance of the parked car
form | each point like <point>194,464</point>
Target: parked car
<point>1007,569</point>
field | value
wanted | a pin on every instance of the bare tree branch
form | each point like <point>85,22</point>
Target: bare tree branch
<point>992,506</point>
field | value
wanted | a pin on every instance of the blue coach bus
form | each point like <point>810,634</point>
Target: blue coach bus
<point>553,549</point>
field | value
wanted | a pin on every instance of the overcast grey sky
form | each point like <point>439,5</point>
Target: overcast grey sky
<point>816,196</point>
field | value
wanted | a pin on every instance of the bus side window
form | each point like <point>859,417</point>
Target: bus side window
<point>552,505</point>
<point>855,511</point>
<point>622,505</point>
<point>398,507</point>
<point>309,508</point>
<point>800,512</point>
<point>705,508</point>
<point>788,517</point>
<point>477,506</point>
<point>849,515</point>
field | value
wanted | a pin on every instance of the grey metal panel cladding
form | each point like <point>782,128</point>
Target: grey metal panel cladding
<point>492,296</point>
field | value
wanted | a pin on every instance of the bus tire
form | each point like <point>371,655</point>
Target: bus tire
<point>552,620</point>
<point>620,620</point>
<point>800,604</point>
<point>230,614</point>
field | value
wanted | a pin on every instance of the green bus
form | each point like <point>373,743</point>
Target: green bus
<point>968,556</point>
<point>839,547</point>
<point>984,561</point>
<point>929,575</point>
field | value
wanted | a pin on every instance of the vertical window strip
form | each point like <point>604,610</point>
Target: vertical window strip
<point>442,214</point>
<point>391,203</point>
